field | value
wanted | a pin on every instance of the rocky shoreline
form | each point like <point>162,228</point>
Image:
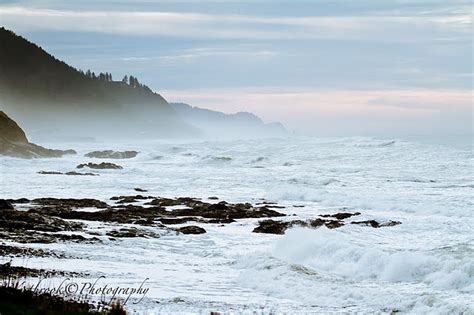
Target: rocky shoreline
<point>14,143</point>
<point>50,220</point>
<point>29,222</point>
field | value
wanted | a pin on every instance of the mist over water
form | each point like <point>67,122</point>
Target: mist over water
<point>373,214</point>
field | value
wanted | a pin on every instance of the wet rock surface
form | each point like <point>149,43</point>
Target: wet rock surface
<point>72,173</point>
<point>110,154</point>
<point>376,224</point>
<point>130,199</point>
<point>272,227</point>
<point>7,271</point>
<point>49,220</point>
<point>131,232</point>
<point>100,166</point>
<point>14,143</point>
<point>22,220</point>
<point>6,205</point>
<point>15,251</point>
<point>29,150</point>
<point>221,210</point>
<point>192,229</point>
<point>340,215</point>
<point>15,201</point>
<point>70,202</point>
<point>45,238</point>
<point>331,221</point>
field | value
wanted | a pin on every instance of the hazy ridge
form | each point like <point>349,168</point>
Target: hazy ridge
<point>53,100</point>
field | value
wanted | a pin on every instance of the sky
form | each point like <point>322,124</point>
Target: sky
<point>322,67</point>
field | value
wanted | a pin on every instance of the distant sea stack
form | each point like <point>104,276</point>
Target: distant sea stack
<point>13,142</point>
<point>54,99</point>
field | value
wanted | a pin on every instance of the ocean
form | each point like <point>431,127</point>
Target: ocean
<point>423,265</point>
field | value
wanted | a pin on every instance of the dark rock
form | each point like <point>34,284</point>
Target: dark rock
<point>213,198</point>
<point>220,221</point>
<point>21,200</point>
<point>13,142</point>
<point>109,154</point>
<point>29,151</point>
<point>10,131</point>
<point>279,227</point>
<point>275,207</point>
<point>191,229</point>
<point>221,210</point>
<point>174,220</point>
<point>13,272</point>
<point>50,173</point>
<point>167,202</point>
<point>218,206</point>
<point>140,189</point>
<point>21,236</point>
<point>147,222</point>
<point>76,238</point>
<point>125,214</point>
<point>131,232</point>
<point>130,199</point>
<point>271,227</point>
<point>5,205</point>
<point>226,211</point>
<point>334,224</point>
<point>316,223</point>
<point>153,214</point>
<point>376,224</point>
<point>70,202</point>
<point>17,300</point>
<point>68,173</point>
<point>14,251</point>
<point>341,215</point>
<point>371,223</point>
<point>266,203</point>
<point>101,166</point>
<point>73,173</point>
<point>390,223</point>
<point>22,220</point>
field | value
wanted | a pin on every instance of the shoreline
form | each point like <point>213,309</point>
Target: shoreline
<point>56,222</point>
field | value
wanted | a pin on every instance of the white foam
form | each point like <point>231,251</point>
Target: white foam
<point>333,252</point>
<point>333,270</point>
<point>423,265</point>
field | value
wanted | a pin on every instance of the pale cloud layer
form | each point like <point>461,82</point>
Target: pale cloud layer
<point>340,67</point>
<point>345,112</point>
<point>198,25</point>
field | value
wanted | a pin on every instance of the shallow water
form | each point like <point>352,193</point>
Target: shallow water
<point>426,264</point>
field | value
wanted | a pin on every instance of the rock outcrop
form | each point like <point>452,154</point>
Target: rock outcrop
<point>101,166</point>
<point>13,142</point>
<point>331,221</point>
<point>109,154</point>
<point>72,173</point>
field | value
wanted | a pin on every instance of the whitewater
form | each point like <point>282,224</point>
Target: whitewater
<point>424,265</point>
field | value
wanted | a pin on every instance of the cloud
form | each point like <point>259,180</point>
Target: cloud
<point>197,53</point>
<point>227,26</point>
<point>334,112</point>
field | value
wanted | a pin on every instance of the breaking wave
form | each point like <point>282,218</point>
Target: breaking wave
<point>334,253</point>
